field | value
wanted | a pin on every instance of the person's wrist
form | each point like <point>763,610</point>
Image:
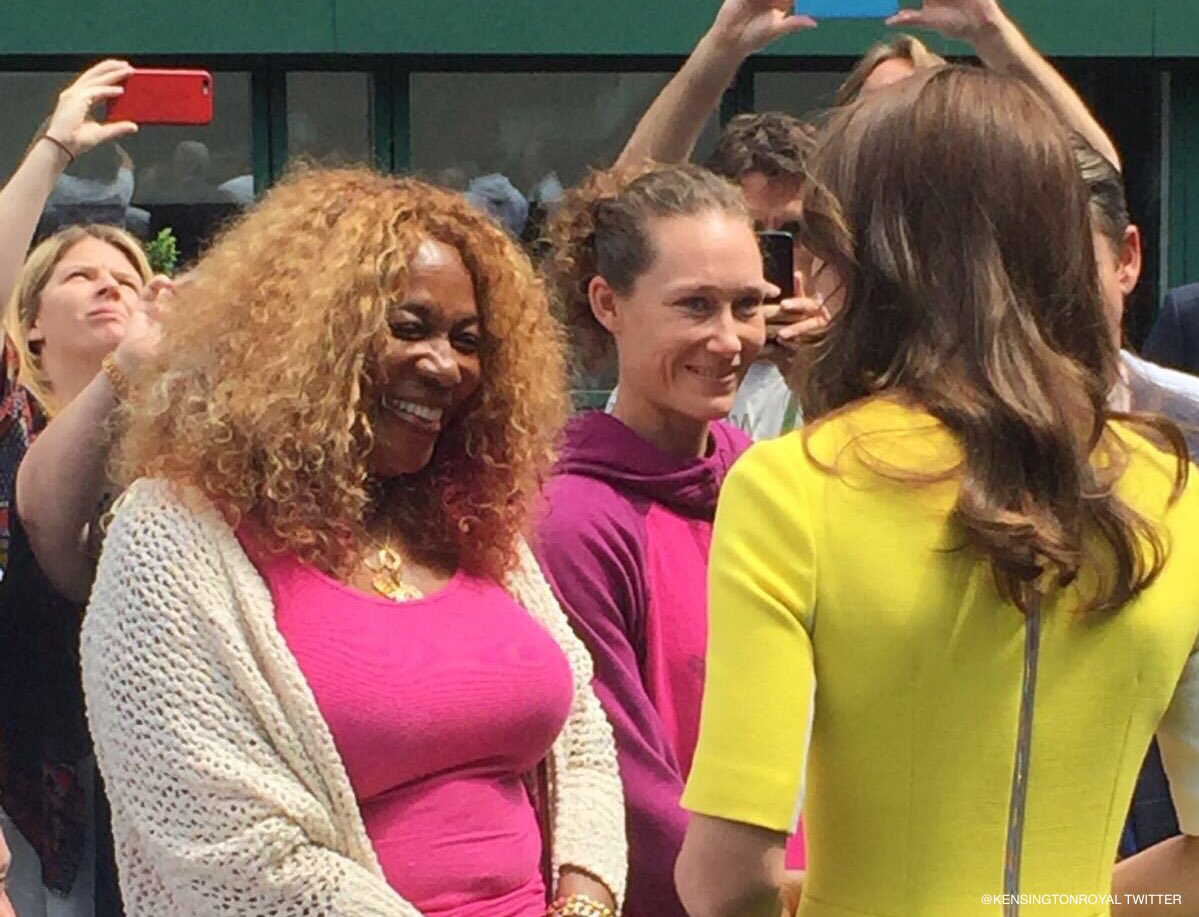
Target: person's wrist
<point>727,45</point>
<point>117,376</point>
<point>54,146</point>
<point>993,34</point>
<point>579,905</point>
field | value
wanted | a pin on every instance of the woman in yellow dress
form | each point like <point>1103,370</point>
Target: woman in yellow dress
<point>947,618</point>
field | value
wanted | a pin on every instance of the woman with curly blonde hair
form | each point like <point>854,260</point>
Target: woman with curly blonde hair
<point>320,662</point>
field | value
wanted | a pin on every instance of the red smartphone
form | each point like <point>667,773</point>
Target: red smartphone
<point>164,97</point>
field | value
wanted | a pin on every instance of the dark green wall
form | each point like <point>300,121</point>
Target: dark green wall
<point>1184,179</point>
<point>1061,27</point>
<point>1177,28</point>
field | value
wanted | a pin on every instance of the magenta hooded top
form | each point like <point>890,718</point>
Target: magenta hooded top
<point>624,542</point>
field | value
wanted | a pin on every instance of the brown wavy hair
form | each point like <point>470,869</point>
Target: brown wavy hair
<point>902,47</point>
<point>773,143</point>
<point>953,212</point>
<point>602,229</point>
<point>264,393</point>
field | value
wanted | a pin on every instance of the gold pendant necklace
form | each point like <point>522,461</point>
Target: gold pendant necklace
<point>387,569</point>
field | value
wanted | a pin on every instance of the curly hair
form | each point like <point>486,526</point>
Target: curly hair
<point>773,143</point>
<point>264,394</point>
<point>600,229</point>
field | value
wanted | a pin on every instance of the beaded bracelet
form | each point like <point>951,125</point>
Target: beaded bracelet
<point>116,379</point>
<point>579,906</point>
<point>62,146</point>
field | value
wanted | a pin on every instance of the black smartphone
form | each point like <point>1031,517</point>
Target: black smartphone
<point>778,262</point>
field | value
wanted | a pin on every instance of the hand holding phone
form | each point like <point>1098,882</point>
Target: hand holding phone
<point>164,97</point>
<point>847,9</point>
<point>790,323</point>
<point>751,25</point>
<point>72,125</point>
<point>963,20</point>
<point>778,262</point>
<point>793,319</point>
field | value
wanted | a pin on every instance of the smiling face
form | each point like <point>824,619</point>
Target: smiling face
<point>85,305</point>
<point>692,323</point>
<point>430,365</point>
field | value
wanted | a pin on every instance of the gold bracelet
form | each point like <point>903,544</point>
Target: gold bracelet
<point>579,906</point>
<point>117,379</point>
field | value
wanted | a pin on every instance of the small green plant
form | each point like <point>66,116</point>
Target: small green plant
<point>163,252</point>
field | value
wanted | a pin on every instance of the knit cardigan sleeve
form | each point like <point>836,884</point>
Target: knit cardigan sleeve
<point>220,804</point>
<point>588,806</point>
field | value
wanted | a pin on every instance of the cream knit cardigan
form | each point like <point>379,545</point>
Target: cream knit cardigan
<point>228,795</point>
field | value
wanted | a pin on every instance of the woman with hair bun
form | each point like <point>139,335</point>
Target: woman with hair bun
<point>660,265</point>
<point>324,673</point>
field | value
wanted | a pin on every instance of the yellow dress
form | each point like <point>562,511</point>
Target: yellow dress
<point>954,751</point>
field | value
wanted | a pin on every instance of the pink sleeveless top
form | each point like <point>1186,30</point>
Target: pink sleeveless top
<point>438,707</point>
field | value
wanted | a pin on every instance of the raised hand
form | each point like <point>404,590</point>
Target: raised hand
<point>963,20</point>
<point>751,25</point>
<point>72,123</point>
<point>790,322</point>
<point>143,331</point>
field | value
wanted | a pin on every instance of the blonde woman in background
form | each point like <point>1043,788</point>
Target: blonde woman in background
<point>78,315</point>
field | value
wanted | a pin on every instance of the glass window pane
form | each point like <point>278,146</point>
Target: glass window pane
<point>26,99</point>
<point>538,130</point>
<point>330,116</point>
<point>187,178</point>
<point>803,94</point>
<point>192,179</point>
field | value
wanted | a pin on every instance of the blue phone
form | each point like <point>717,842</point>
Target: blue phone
<point>847,9</point>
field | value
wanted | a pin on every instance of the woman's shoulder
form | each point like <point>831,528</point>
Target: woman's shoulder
<point>164,494</point>
<point>585,517</point>
<point>169,550</point>
<point>886,427</point>
<point>1150,475</point>
<point>876,427</point>
<point>164,517</point>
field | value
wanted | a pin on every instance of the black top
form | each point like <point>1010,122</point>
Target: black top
<point>1174,339</point>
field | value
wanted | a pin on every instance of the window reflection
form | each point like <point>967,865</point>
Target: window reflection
<point>189,179</point>
<point>330,116</point>
<point>515,141</point>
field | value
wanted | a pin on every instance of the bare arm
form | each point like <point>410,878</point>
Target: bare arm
<point>59,485</point>
<point>671,127</point>
<point>24,197</point>
<point>21,205</point>
<point>1001,46</point>
<point>1168,871</point>
<point>573,882</point>
<point>63,476</point>
<point>729,869</point>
